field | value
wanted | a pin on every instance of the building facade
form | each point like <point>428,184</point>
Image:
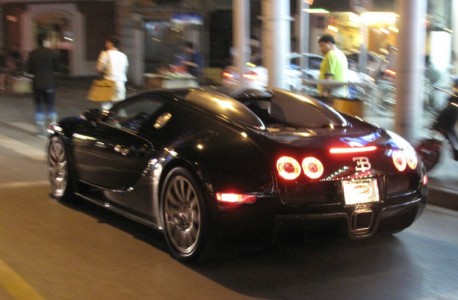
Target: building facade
<point>150,30</point>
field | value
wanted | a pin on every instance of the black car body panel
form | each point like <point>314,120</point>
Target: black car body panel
<point>122,157</point>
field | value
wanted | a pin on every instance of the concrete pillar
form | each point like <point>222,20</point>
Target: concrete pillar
<point>27,37</point>
<point>410,68</point>
<point>2,28</point>
<point>241,35</point>
<point>455,35</point>
<point>137,53</point>
<point>304,36</point>
<point>276,42</point>
<point>129,27</point>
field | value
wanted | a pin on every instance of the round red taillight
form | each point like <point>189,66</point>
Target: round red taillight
<point>313,168</point>
<point>399,160</point>
<point>288,168</point>
<point>412,160</point>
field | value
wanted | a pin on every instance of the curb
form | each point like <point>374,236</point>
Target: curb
<point>443,197</point>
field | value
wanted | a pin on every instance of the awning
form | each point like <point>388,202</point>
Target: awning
<point>190,18</point>
<point>357,6</point>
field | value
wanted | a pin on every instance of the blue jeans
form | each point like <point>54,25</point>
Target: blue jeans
<point>44,105</point>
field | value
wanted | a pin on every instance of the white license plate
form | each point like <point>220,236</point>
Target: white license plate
<point>360,191</point>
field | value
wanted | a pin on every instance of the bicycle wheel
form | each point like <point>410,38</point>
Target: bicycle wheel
<point>384,100</point>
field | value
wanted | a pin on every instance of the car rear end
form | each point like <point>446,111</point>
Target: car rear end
<point>368,188</point>
<point>361,184</point>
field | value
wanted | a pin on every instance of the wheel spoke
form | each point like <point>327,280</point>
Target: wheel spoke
<point>57,168</point>
<point>182,214</point>
<point>172,199</point>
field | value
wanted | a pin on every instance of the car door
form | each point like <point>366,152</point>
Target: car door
<point>109,152</point>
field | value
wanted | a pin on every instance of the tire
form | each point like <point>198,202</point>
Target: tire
<point>429,151</point>
<point>60,174</point>
<point>187,228</point>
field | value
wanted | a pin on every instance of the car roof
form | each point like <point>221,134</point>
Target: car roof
<point>221,104</point>
<point>285,106</point>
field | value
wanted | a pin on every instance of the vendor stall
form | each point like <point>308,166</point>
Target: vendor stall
<point>170,80</point>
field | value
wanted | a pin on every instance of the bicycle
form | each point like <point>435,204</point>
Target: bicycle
<point>384,99</point>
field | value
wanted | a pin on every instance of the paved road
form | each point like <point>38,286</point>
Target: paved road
<point>60,251</point>
<point>53,250</point>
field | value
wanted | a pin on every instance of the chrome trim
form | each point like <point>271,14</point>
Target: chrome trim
<point>122,212</point>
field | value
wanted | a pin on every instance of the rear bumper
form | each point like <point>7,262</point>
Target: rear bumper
<point>267,220</point>
<point>358,222</point>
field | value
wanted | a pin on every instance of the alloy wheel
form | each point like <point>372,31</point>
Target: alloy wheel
<point>182,215</point>
<point>57,167</point>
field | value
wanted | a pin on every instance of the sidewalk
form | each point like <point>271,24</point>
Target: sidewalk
<point>71,101</point>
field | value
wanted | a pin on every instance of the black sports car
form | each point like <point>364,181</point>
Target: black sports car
<point>206,168</point>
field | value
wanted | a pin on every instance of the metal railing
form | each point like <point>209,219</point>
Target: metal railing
<point>366,89</point>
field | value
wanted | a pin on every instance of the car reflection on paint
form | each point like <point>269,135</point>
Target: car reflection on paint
<point>208,168</point>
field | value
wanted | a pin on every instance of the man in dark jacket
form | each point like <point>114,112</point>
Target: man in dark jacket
<point>42,63</point>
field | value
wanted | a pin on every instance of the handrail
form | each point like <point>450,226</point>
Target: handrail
<point>368,87</point>
<point>336,83</point>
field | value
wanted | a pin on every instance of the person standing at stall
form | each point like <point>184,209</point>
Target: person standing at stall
<point>333,67</point>
<point>113,64</point>
<point>42,64</point>
<point>190,59</point>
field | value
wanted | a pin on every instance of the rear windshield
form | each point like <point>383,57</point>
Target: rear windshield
<point>225,106</point>
<point>303,111</point>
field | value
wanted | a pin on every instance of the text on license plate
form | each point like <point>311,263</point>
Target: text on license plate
<point>359,191</point>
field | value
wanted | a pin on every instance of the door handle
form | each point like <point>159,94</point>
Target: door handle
<point>120,149</point>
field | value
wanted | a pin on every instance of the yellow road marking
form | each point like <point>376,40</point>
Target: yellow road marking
<point>15,285</point>
<point>23,184</point>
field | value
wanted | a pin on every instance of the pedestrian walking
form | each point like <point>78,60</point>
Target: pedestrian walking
<point>333,67</point>
<point>42,64</point>
<point>113,64</point>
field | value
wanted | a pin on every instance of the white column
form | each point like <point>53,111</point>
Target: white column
<point>455,33</point>
<point>304,36</point>
<point>241,35</point>
<point>136,52</point>
<point>276,40</point>
<point>410,68</point>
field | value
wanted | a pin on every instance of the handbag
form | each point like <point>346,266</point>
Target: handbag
<point>102,90</point>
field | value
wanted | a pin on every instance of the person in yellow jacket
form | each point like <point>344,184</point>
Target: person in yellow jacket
<point>333,67</point>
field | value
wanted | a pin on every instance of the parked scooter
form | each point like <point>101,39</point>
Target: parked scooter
<point>429,149</point>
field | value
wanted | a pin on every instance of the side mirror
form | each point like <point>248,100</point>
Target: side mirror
<point>92,115</point>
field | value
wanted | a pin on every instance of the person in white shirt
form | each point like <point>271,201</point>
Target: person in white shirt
<point>113,64</point>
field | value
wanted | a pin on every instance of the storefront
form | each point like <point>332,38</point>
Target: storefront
<point>374,24</point>
<point>65,24</point>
